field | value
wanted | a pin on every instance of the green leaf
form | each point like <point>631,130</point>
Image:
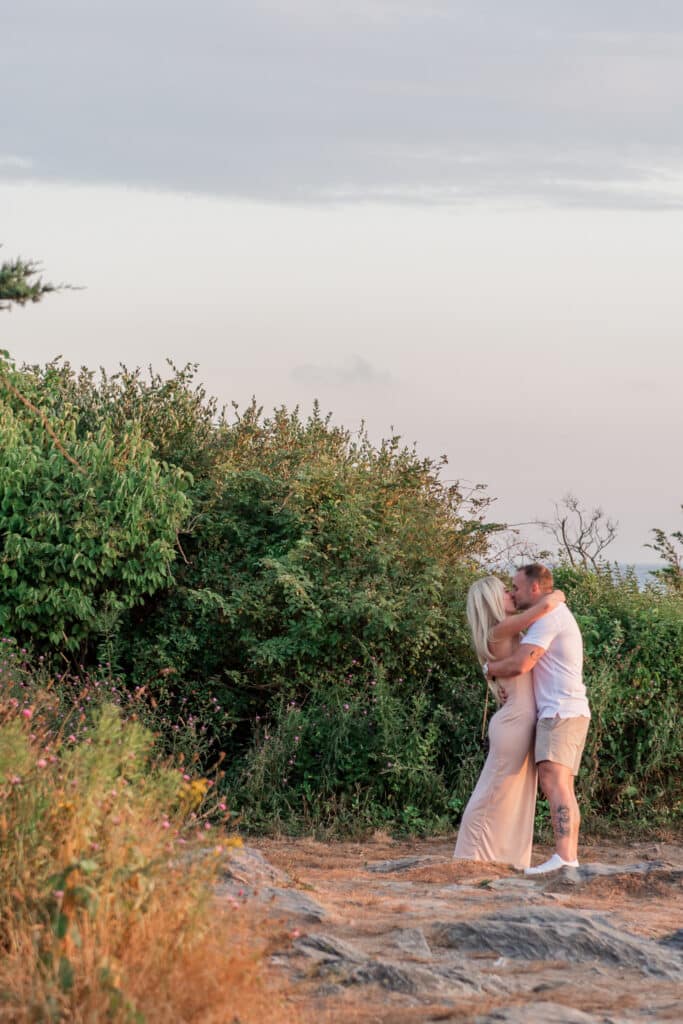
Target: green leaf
<point>65,974</point>
<point>61,925</point>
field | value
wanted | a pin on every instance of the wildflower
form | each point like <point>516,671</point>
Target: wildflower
<point>165,824</point>
<point>296,739</point>
<point>41,762</point>
<point>223,807</point>
<point>27,713</point>
<point>207,825</point>
<point>346,707</point>
<point>58,893</point>
<point>71,738</point>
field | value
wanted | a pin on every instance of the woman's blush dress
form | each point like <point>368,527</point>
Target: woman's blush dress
<point>498,823</point>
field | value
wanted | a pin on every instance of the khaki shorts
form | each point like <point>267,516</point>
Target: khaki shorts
<point>561,740</point>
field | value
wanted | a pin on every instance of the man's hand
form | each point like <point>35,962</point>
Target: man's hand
<point>522,660</point>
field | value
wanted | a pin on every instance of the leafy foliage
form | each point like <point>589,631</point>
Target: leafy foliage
<point>634,672</point>
<point>669,547</point>
<point>296,595</point>
<point>83,539</point>
<point>20,283</point>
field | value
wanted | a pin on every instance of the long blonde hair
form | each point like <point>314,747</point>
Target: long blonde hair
<point>485,609</point>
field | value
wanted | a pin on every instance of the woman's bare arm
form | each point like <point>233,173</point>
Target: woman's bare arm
<point>512,625</point>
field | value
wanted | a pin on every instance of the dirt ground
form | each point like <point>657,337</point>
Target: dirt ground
<point>386,901</point>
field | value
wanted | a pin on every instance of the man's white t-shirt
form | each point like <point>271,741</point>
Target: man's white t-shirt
<point>558,674</point>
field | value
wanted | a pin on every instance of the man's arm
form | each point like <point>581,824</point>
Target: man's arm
<point>522,660</point>
<point>513,625</point>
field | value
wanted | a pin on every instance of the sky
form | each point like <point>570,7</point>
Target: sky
<point>458,221</point>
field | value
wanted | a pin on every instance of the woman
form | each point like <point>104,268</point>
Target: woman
<point>498,823</point>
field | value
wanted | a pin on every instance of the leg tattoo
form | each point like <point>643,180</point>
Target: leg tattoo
<point>562,821</point>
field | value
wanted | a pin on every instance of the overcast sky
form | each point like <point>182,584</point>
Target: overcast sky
<point>462,220</point>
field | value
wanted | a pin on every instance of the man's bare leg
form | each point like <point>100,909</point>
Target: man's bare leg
<point>557,783</point>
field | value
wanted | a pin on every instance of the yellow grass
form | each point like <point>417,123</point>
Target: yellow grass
<point>107,870</point>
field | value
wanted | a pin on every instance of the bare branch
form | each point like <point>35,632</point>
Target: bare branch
<point>582,536</point>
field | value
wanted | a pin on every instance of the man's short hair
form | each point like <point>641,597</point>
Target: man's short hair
<point>537,573</point>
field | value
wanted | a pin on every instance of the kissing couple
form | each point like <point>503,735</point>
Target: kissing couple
<point>531,652</point>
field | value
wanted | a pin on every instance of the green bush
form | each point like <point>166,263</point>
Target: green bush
<point>634,675</point>
<point>81,544</point>
<point>254,575</point>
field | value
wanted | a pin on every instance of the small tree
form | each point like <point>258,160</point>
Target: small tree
<point>669,547</point>
<point>20,283</point>
<point>582,535</point>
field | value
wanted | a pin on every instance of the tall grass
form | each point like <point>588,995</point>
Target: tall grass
<point>107,862</point>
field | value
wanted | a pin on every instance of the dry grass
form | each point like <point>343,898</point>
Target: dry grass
<point>108,861</point>
<point>213,972</point>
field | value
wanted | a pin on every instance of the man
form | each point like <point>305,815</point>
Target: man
<point>552,649</point>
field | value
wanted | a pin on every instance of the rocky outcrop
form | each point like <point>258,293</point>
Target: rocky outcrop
<point>550,933</point>
<point>598,944</point>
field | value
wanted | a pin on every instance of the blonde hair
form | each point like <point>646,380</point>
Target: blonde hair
<point>485,609</point>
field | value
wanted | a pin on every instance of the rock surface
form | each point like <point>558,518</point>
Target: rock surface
<point>541,1013</point>
<point>396,933</point>
<point>551,933</point>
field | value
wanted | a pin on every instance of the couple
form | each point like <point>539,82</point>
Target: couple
<point>541,724</point>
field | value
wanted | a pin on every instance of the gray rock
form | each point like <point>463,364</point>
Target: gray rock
<point>550,933</point>
<point>389,976</point>
<point>291,901</point>
<point>540,1013</point>
<point>402,864</point>
<point>674,941</point>
<point>327,947</point>
<point>350,966</point>
<point>570,878</point>
<point>411,940</point>
<point>413,980</point>
<point>248,866</point>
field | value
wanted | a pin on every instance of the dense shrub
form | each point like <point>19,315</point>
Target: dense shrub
<point>633,643</point>
<point>84,535</point>
<point>311,623</point>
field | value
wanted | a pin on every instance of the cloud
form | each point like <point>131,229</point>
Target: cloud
<point>356,371</point>
<point>12,162</point>
<point>434,102</point>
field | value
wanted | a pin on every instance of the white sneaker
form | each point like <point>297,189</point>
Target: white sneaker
<point>554,864</point>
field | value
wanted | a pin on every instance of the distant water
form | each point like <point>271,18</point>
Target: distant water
<point>643,570</point>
